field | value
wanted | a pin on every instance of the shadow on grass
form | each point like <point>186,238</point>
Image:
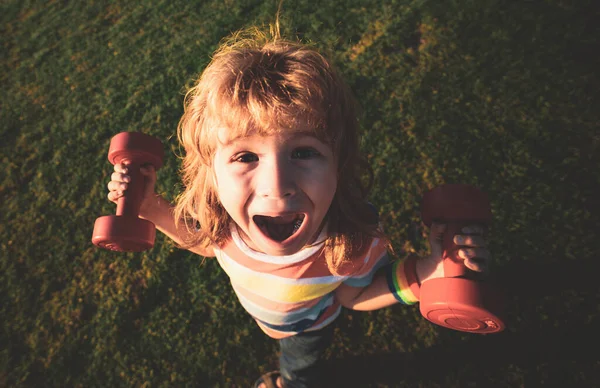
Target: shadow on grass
<point>535,350</point>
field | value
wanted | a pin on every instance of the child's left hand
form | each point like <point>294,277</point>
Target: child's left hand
<point>472,250</point>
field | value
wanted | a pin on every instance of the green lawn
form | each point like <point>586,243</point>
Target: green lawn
<point>500,94</point>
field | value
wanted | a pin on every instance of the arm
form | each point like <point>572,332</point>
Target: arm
<point>161,213</point>
<point>400,283</point>
<point>372,297</point>
<point>378,293</point>
<point>153,208</point>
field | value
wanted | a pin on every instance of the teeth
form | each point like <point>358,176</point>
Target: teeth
<point>297,225</point>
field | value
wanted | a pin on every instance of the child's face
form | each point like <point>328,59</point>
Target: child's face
<point>277,188</point>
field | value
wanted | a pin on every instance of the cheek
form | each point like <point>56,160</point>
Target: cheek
<point>324,186</point>
<point>330,190</point>
<point>219,183</point>
<point>220,178</point>
<point>223,189</point>
<point>232,191</point>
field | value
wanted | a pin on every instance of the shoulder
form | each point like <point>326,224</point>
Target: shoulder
<point>370,249</point>
<point>205,252</point>
<point>364,258</point>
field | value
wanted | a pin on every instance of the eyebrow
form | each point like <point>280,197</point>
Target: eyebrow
<point>293,135</point>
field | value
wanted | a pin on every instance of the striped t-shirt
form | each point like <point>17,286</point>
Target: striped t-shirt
<point>287,295</point>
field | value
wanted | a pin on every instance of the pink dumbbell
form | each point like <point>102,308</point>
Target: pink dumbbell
<point>125,231</point>
<point>459,301</point>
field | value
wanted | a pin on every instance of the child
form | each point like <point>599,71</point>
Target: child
<point>275,190</point>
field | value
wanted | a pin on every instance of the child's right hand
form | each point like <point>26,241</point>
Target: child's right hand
<point>120,179</point>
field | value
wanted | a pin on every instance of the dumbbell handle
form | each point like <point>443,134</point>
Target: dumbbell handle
<point>129,204</point>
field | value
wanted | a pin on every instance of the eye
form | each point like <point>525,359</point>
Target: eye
<point>245,157</point>
<point>304,153</point>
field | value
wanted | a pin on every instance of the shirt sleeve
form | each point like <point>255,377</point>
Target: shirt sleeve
<point>372,260</point>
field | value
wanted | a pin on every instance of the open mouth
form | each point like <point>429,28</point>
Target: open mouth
<point>279,228</point>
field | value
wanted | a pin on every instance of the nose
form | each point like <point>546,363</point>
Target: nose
<point>276,179</point>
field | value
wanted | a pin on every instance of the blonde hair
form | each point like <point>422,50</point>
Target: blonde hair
<point>261,84</point>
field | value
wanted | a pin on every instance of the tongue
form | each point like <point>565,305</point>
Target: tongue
<point>281,227</point>
<point>280,231</point>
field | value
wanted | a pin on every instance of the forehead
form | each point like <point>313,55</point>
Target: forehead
<point>227,137</point>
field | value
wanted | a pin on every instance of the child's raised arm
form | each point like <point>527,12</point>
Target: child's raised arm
<point>380,293</point>
<point>153,208</point>
<point>372,297</point>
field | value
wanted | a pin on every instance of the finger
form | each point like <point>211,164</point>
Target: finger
<point>476,259</point>
<point>121,168</point>
<point>473,229</point>
<point>120,177</point>
<point>114,195</point>
<point>117,186</point>
<point>479,263</point>
<point>470,253</point>
<point>471,241</point>
<point>475,265</point>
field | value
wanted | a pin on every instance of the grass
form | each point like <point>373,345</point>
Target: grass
<point>498,94</point>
